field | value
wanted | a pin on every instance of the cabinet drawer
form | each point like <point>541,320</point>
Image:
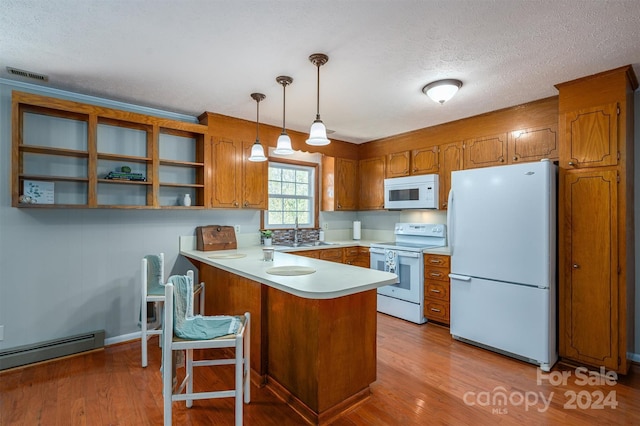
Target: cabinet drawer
<point>440,274</point>
<point>436,310</point>
<point>351,251</point>
<point>436,290</point>
<point>334,254</point>
<point>436,260</point>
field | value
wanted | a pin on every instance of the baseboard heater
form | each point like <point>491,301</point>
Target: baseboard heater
<point>28,354</point>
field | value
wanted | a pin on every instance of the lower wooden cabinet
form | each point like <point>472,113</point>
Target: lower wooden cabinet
<point>354,255</point>
<point>436,287</point>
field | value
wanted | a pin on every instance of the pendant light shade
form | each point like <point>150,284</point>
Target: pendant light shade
<point>283,146</point>
<point>257,152</point>
<point>318,132</point>
<point>442,90</point>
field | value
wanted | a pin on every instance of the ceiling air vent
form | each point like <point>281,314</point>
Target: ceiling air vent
<point>27,74</point>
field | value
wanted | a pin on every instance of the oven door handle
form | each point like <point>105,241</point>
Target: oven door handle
<point>408,254</point>
<point>376,250</point>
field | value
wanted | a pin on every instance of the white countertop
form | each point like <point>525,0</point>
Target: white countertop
<point>330,280</point>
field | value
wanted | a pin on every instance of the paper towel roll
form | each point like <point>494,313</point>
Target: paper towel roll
<point>356,229</point>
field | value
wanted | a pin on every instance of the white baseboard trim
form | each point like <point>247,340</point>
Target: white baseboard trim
<point>122,338</point>
<point>633,357</point>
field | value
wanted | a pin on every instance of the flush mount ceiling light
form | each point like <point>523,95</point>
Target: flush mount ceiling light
<point>283,147</point>
<point>257,152</point>
<point>318,132</point>
<point>442,90</point>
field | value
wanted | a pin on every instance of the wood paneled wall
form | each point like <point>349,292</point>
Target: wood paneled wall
<point>244,130</point>
<point>532,114</point>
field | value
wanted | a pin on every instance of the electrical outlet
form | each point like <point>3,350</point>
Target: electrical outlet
<point>1,332</point>
<point>237,228</point>
<point>325,226</point>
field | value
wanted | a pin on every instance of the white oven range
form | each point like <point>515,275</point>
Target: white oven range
<point>404,257</point>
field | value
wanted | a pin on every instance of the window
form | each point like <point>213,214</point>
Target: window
<point>291,196</point>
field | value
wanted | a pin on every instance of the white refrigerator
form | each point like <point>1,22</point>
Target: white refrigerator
<point>502,235</point>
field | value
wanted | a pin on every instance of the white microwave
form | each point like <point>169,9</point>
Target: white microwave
<point>411,192</point>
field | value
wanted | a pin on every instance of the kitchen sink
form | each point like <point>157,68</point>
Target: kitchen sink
<point>309,244</point>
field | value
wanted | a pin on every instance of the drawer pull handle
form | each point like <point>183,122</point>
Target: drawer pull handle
<point>433,290</point>
<point>435,274</point>
<point>435,261</point>
<point>435,310</point>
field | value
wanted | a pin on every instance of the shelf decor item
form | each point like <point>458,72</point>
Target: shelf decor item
<point>186,200</point>
<point>39,192</point>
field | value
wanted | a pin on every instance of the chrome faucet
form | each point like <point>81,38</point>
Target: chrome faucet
<point>295,234</point>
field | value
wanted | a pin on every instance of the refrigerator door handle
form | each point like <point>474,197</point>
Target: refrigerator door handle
<point>459,277</point>
<point>449,221</point>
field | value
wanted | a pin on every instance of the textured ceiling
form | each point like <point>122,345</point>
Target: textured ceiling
<point>190,56</point>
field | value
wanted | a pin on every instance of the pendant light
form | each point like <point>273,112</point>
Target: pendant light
<point>442,90</point>
<point>318,132</point>
<point>283,146</point>
<point>257,152</point>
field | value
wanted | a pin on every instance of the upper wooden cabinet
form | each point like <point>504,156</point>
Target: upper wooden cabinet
<point>87,156</point>
<point>237,182</point>
<point>415,162</point>
<point>339,184</point>
<point>424,160</point>
<point>371,175</point>
<point>485,151</point>
<point>255,193</point>
<point>450,160</point>
<point>398,164</point>
<point>591,136</point>
<point>533,144</point>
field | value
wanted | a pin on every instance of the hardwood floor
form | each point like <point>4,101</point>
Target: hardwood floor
<point>424,377</point>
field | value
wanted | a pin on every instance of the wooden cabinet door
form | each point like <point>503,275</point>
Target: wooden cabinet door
<point>533,144</point>
<point>588,308</point>
<point>398,164</point>
<point>591,136</point>
<point>308,253</point>
<point>254,189</point>
<point>486,151</point>
<point>371,175</point>
<point>346,184</point>
<point>450,161</point>
<point>226,180</point>
<point>332,254</point>
<point>424,161</point>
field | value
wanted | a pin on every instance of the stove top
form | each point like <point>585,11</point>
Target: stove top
<point>416,237</point>
<point>404,246</point>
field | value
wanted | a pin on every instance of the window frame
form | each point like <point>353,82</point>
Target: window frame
<point>316,193</point>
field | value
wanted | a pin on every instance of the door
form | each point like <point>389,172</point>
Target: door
<point>398,164</point>
<point>510,317</point>
<point>502,223</point>
<point>346,184</point>
<point>424,161</point>
<point>533,144</point>
<point>589,290</point>
<point>227,155</point>
<point>592,136</point>
<point>371,173</point>
<point>486,151</point>
<point>450,161</point>
<point>254,174</point>
<point>409,269</point>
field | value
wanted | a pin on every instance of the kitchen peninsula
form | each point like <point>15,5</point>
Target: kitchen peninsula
<point>313,336</point>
